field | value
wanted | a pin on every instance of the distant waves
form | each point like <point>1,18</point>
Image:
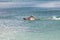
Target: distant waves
<point>41,4</point>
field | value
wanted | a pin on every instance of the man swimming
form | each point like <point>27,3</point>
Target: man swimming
<point>30,18</point>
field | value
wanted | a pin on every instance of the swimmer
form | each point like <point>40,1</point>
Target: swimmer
<point>30,18</point>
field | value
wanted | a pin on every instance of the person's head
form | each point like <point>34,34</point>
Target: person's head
<point>24,18</point>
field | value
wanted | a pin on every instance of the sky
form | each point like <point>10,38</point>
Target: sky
<point>30,3</point>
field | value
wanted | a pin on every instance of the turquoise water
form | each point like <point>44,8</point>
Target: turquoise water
<point>13,27</point>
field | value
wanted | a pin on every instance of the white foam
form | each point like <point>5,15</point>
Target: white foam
<point>54,18</point>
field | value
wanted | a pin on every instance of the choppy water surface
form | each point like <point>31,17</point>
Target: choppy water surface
<point>13,27</point>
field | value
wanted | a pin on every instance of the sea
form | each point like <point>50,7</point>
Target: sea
<point>13,27</point>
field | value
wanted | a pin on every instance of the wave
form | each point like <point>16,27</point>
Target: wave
<point>54,18</point>
<point>48,5</point>
<point>9,4</point>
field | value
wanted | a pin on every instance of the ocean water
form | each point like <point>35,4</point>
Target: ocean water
<point>13,27</point>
